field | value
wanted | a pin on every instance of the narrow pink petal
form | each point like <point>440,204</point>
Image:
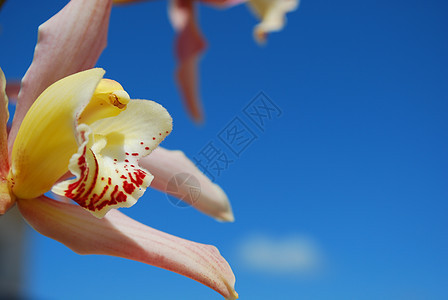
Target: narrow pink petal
<point>4,115</point>
<point>5,198</point>
<point>69,42</point>
<point>12,90</point>
<point>165,164</point>
<point>187,79</point>
<point>119,235</point>
<point>189,45</point>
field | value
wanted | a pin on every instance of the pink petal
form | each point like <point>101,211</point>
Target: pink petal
<point>69,42</point>
<point>12,90</point>
<point>165,164</point>
<point>189,45</point>
<point>119,235</point>
<point>4,115</point>
<point>5,198</point>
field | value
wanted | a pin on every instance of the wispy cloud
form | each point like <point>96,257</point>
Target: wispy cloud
<point>290,255</point>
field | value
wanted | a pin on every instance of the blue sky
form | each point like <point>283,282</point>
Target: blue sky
<point>349,183</point>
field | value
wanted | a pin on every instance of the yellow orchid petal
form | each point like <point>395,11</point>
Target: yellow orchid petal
<point>106,165</point>
<point>46,138</point>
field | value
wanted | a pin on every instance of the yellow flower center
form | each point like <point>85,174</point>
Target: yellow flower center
<point>109,100</point>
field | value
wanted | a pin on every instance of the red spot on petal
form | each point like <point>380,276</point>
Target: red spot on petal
<point>146,148</point>
<point>153,138</point>
<point>128,187</point>
<point>121,197</point>
<point>126,161</point>
<point>139,176</point>
<point>134,154</point>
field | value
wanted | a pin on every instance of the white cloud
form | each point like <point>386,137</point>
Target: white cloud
<point>291,255</point>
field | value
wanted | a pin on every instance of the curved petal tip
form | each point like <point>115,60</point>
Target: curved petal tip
<point>121,236</point>
<point>168,165</point>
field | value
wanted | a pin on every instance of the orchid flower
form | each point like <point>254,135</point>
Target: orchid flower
<point>68,119</point>
<point>87,125</point>
<point>190,43</point>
